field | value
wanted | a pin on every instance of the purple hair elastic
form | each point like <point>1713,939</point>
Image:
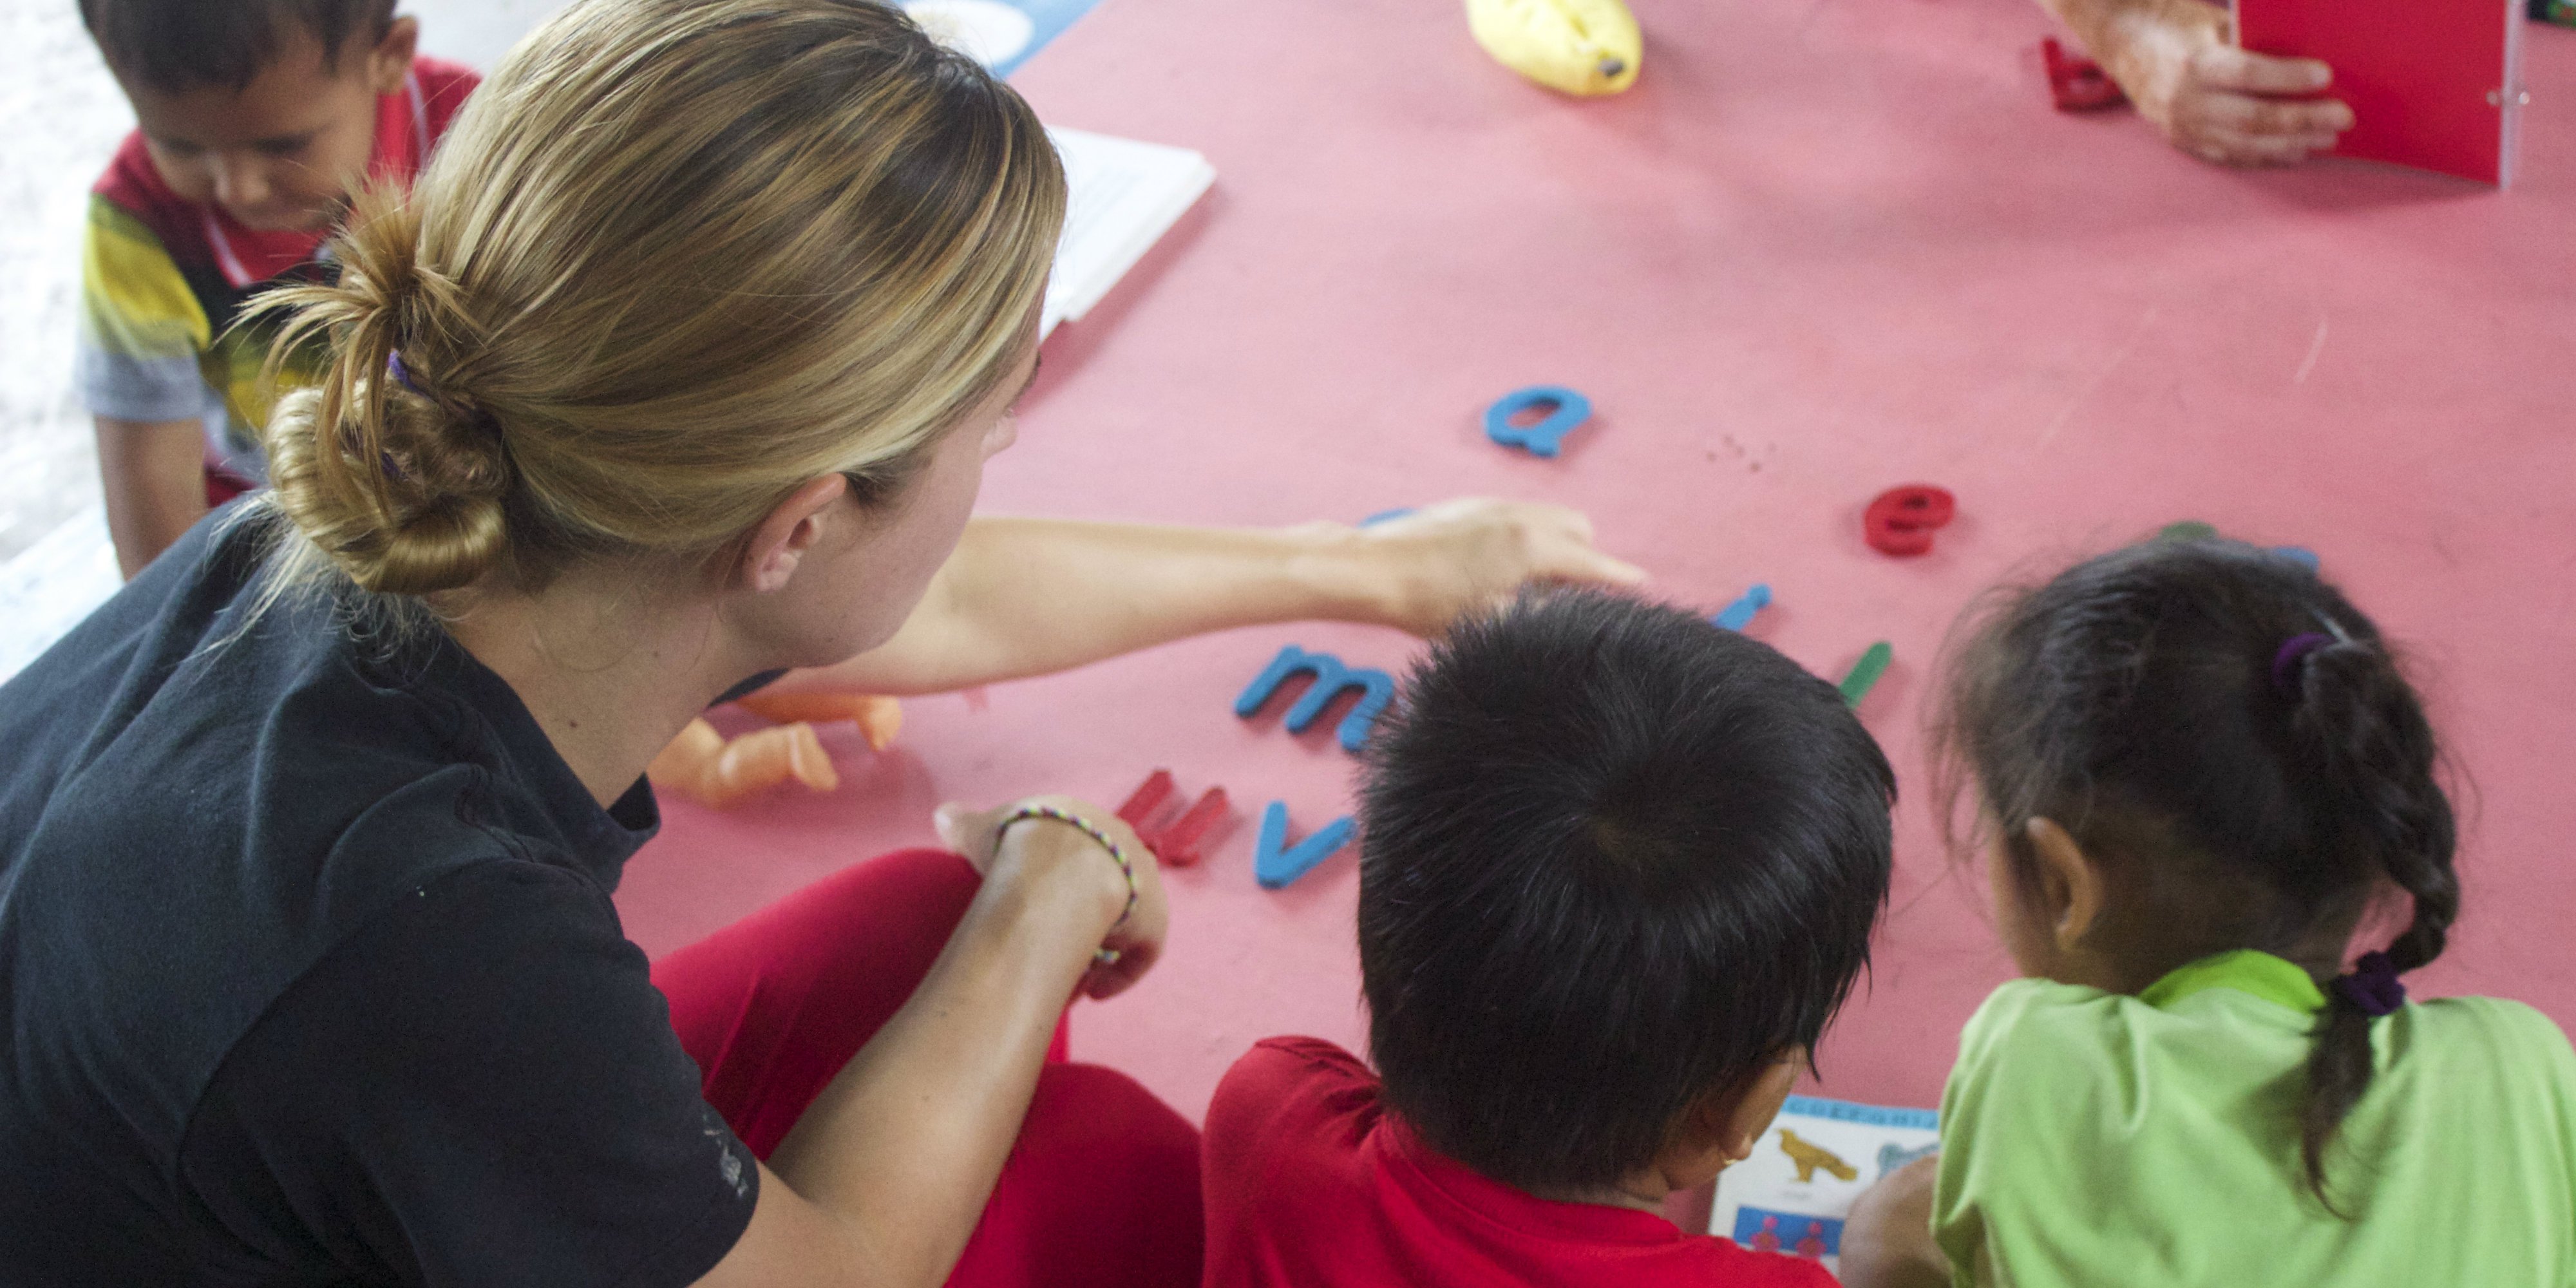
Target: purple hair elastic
<point>2372,986</point>
<point>2285,664</point>
<point>401,372</point>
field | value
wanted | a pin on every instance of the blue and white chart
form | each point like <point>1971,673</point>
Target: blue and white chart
<point>1792,1194</point>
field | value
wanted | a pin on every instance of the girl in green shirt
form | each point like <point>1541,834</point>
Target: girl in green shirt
<point>2194,767</point>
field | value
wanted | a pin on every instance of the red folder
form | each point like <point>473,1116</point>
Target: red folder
<point>2434,84</point>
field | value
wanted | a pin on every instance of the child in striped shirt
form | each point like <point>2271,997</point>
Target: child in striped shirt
<point>254,118</point>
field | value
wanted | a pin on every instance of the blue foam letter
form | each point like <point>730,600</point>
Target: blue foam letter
<point>2301,556</point>
<point>1275,863</point>
<point>1331,677</point>
<point>1739,614</point>
<point>1572,409</point>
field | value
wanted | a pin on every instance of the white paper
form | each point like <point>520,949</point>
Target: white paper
<point>1792,1194</point>
<point>1124,195</point>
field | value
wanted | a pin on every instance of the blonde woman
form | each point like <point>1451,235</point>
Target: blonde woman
<point>678,368</point>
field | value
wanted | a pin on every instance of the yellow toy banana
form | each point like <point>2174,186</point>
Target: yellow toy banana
<point>1578,46</point>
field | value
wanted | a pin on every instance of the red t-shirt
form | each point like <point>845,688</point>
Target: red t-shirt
<point>1309,1183</point>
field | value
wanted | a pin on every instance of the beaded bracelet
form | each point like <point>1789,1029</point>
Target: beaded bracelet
<point>1126,865</point>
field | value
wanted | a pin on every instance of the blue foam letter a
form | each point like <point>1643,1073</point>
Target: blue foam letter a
<point>1567,410</point>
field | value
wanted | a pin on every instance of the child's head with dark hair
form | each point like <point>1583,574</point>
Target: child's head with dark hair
<point>1619,868</point>
<point>2190,747</point>
<point>266,108</point>
<point>176,45</point>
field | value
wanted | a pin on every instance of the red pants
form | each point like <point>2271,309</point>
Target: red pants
<point>1103,1184</point>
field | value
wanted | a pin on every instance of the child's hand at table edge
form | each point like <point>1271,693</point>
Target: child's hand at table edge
<point>1446,560</point>
<point>1887,1238</point>
<point>1136,940</point>
<point>2177,61</point>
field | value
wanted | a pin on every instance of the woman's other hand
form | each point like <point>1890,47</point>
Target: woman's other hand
<point>1457,557</point>
<point>1061,860</point>
<point>2178,62</point>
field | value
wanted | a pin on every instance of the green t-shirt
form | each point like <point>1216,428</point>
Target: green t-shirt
<point>2093,1138</point>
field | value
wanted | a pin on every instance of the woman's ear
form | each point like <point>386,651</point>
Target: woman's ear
<point>779,545</point>
<point>2071,887</point>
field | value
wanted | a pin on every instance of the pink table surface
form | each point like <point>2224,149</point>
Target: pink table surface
<point>1822,248</point>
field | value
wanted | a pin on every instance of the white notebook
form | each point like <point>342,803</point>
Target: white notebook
<point>1124,196</point>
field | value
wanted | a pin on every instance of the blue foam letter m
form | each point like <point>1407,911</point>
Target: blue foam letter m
<point>1331,677</point>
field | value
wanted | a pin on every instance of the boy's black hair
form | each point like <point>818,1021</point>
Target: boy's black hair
<point>2237,745</point>
<point>1614,860</point>
<point>179,45</point>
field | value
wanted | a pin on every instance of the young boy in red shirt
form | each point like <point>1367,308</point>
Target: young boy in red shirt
<point>1619,869</point>
<point>256,118</point>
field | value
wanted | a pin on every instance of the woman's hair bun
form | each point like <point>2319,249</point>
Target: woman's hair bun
<point>423,512</point>
<point>399,480</point>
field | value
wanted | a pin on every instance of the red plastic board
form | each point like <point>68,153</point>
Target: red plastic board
<point>2431,83</point>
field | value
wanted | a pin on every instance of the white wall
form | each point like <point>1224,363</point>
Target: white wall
<point>476,32</point>
<point>61,117</point>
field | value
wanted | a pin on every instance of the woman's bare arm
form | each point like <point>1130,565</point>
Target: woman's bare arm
<point>1024,597</point>
<point>886,1174</point>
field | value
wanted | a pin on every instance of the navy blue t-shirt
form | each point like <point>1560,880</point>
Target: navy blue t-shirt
<point>309,974</point>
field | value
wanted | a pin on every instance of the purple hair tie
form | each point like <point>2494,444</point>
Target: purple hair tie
<point>2285,664</point>
<point>401,374</point>
<point>2372,986</point>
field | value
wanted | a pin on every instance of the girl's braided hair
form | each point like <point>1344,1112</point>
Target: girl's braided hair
<point>2144,700</point>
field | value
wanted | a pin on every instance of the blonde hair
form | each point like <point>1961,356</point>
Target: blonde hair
<point>675,259</point>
